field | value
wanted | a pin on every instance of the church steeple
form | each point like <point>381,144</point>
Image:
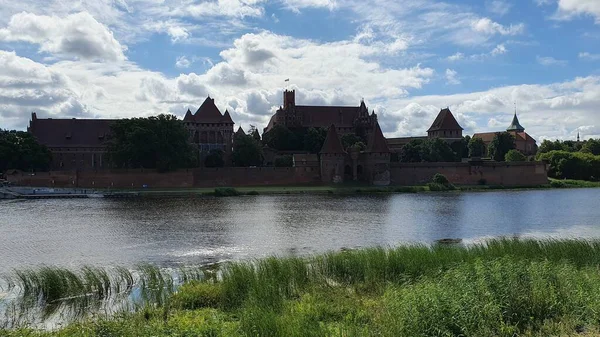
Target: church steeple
<point>578,138</point>
<point>515,125</point>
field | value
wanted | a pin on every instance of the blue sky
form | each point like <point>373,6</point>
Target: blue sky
<point>409,59</point>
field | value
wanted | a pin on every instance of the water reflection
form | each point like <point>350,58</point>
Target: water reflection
<point>175,231</point>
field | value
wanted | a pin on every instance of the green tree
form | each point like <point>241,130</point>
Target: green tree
<point>20,150</point>
<point>285,161</point>
<point>461,148</point>
<point>476,147</point>
<point>349,140</point>
<point>281,138</point>
<point>591,146</point>
<point>256,135</point>
<point>413,151</point>
<point>214,159</point>
<point>514,155</point>
<point>159,142</point>
<point>438,150</point>
<point>314,139</point>
<point>247,151</point>
<point>500,145</point>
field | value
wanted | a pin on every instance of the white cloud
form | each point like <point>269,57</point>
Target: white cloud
<point>183,62</point>
<point>76,35</point>
<point>456,57</point>
<point>451,77</point>
<point>567,9</point>
<point>589,57</point>
<point>487,26</point>
<point>550,61</point>
<point>499,50</point>
<point>499,7</point>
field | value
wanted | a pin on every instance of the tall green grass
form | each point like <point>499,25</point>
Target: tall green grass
<point>503,287</point>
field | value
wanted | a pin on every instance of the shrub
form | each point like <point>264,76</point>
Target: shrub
<point>557,184</point>
<point>514,156</point>
<point>572,165</point>
<point>226,192</point>
<point>440,179</point>
<point>196,294</point>
<point>440,183</point>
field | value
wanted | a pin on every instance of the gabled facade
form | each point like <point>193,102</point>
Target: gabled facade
<point>209,129</point>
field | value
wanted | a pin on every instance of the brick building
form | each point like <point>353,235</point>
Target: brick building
<point>347,119</point>
<point>74,143</point>
<point>523,141</point>
<point>209,129</point>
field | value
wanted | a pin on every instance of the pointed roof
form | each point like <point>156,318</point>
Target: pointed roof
<point>377,142</point>
<point>240,131</point>
<point>445,121</point>
<point>332,144</point>
<point>515,125</point>
<point>227,117</point>
<point>188,116</point>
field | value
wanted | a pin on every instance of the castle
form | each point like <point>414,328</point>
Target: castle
<point>79,144</point>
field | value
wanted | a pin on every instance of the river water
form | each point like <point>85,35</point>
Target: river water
<point>184,231</point>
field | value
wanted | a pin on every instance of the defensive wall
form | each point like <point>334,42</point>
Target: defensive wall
<point>202,177</point>
<point>471,173</point>
<point>405,174</point>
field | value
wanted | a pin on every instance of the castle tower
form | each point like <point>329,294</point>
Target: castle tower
<point>445,127</point>
<point>332,158</point>
<point>378,158</point>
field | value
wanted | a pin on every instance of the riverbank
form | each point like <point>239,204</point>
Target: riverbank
<point>345,189</point>
<point>504,288</point>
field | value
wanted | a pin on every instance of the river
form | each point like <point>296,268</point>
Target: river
<point>197,230</point>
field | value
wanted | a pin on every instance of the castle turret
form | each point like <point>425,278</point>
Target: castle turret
<point>378,158</point>
<point>332,157</point>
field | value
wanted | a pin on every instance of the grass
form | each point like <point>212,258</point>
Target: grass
<point>505,287</point>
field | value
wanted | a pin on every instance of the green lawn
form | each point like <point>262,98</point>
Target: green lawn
<point>506,287</point>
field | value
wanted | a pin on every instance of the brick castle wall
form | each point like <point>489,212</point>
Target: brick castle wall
<point>494,173</point>
<point>513,174</point>
<point>205,177</point>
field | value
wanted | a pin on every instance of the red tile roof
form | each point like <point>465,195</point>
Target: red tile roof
<point>377,143</point>
<point>487,137</point>
<point>445,121</point>
<point>70,132</point>
<point>332,144</point>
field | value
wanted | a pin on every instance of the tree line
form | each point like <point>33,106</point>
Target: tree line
<point>572,160</point>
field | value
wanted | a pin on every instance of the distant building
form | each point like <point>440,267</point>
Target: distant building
<point>523,141</point>
<point>347,119</point>
<point>444,127</point>
<point>209,129</point>
<point>74,143</point>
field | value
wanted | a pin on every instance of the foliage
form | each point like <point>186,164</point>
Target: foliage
<point>349,139</point>
<point>314,139</point>
<point>246,151</point>
<point>226,192</point>
<point>476,147</point>
<point>429,150</point>
<point>196,294</point>
<point>500,145</point>
<point>439,183</point>
<point>503,287</point>
<point>284,161</point>
<point>159,142</point>
<point>591,146</point>
<point>572,165</point>
<point>214,159</point>
<point>461,148</point>
<point>282,139</point>
<point>514,156</point>
<point>20,150</point>
<point>256,135</point>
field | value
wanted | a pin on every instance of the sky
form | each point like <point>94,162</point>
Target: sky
<point>407,59</point>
